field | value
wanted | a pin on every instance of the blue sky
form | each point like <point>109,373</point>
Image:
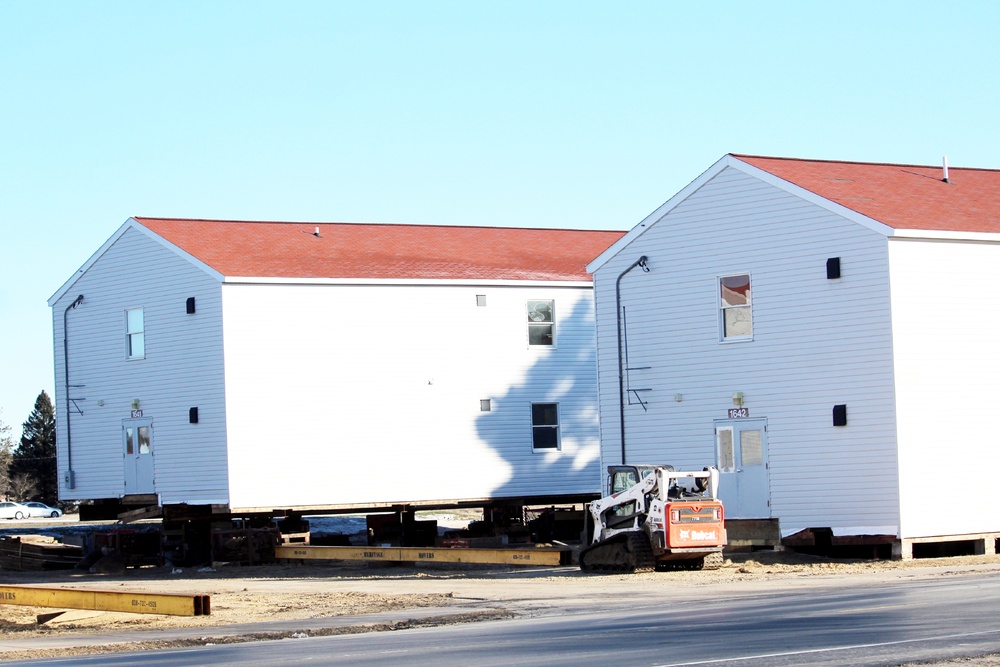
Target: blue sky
<point>556,114</point>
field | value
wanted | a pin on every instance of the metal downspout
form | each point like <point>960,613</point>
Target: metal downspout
<point>70,483</point>
<point>641,262</point>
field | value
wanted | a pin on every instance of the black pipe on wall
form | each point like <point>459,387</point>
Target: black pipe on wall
<point>70,482</point>
<point>641,262</point>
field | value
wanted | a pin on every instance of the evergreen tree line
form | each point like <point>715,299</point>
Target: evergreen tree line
<point>28,469</point>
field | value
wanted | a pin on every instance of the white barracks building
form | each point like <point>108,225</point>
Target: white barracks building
<point>266,365</point>
<point>825,333</point>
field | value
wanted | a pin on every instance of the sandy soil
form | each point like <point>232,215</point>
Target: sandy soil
<point>458,594</point>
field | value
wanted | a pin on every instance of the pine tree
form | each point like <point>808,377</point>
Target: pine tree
<point>6,457</point>
<point>35,457</point>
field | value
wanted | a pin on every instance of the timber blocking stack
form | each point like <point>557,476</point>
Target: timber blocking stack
<point>37,552</point>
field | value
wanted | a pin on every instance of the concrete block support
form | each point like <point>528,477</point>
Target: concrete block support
<point>983,544</point>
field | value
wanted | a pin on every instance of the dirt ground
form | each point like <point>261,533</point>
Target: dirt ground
<point>453,594</point>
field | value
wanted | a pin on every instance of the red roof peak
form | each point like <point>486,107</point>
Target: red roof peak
<point>384,251</point>
<point>901,196</point>
<point>145,219</point>
<point>748,158</point>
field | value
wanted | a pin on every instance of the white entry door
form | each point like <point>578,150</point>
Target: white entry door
<point>741,456</point>
<point>137,435</point>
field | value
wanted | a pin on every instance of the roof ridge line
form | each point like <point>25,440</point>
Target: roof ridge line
<point>140,218</point>
<point>858,162</point>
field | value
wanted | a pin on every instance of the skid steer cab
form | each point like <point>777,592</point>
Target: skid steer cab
<point>655,518</point>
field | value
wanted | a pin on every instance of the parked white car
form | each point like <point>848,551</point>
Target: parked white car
<point>41,509</point>
<point>12,510</point>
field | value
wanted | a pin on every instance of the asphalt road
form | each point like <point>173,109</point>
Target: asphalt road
<point>845,624</point>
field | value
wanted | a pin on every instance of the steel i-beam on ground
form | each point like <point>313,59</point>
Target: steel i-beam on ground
<point>537,556</point>
<point>136,603</point>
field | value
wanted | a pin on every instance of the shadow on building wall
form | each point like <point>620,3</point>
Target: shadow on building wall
<point>567,376</point>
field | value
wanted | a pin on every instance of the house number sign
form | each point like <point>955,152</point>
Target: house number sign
<point>138,413</point>
<point>739,413</point>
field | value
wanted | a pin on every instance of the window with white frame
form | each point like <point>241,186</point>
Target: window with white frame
<point>735,314</point>
<point>135,337</point>
<point>540,323</point>
<point>545,426</point>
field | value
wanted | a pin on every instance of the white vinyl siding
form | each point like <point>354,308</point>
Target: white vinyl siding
<point>803,360</point>
<point>322,411</point>
<point>944,327</point>
<point>185,371</point>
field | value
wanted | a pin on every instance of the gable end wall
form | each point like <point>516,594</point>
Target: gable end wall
<point>183,368</point>
<point>817,343</point>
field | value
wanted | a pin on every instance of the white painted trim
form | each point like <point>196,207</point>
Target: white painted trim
<point>258,280</point>
<point>937,235</point>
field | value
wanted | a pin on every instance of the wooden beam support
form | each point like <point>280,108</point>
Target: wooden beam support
<point>152,512</point>
<point>65,616</point>
<point>537,556</point>
<point>135,603</point>
<point>140,499</point>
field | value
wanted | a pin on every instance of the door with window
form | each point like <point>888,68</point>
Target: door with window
<point>741,456</point>
<point>137,436</point>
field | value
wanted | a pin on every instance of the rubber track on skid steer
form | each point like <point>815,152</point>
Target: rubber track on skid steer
<point>629,552</point>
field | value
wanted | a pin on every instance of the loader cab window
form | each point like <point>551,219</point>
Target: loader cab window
<point>623,479</point>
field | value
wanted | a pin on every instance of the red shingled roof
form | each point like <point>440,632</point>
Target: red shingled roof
<point>897,195</point>
<point>385,251</point>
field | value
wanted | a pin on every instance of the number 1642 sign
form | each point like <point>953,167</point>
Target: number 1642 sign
<point>739,413</point>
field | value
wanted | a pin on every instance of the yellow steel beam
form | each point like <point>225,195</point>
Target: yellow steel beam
<point>537,556</point>
<point>137,603</point>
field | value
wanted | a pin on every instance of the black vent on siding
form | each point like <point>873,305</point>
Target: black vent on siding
<point>840,415</point>
<point>193,416</point>
<point>833,268</point>
<point>190,305</point>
